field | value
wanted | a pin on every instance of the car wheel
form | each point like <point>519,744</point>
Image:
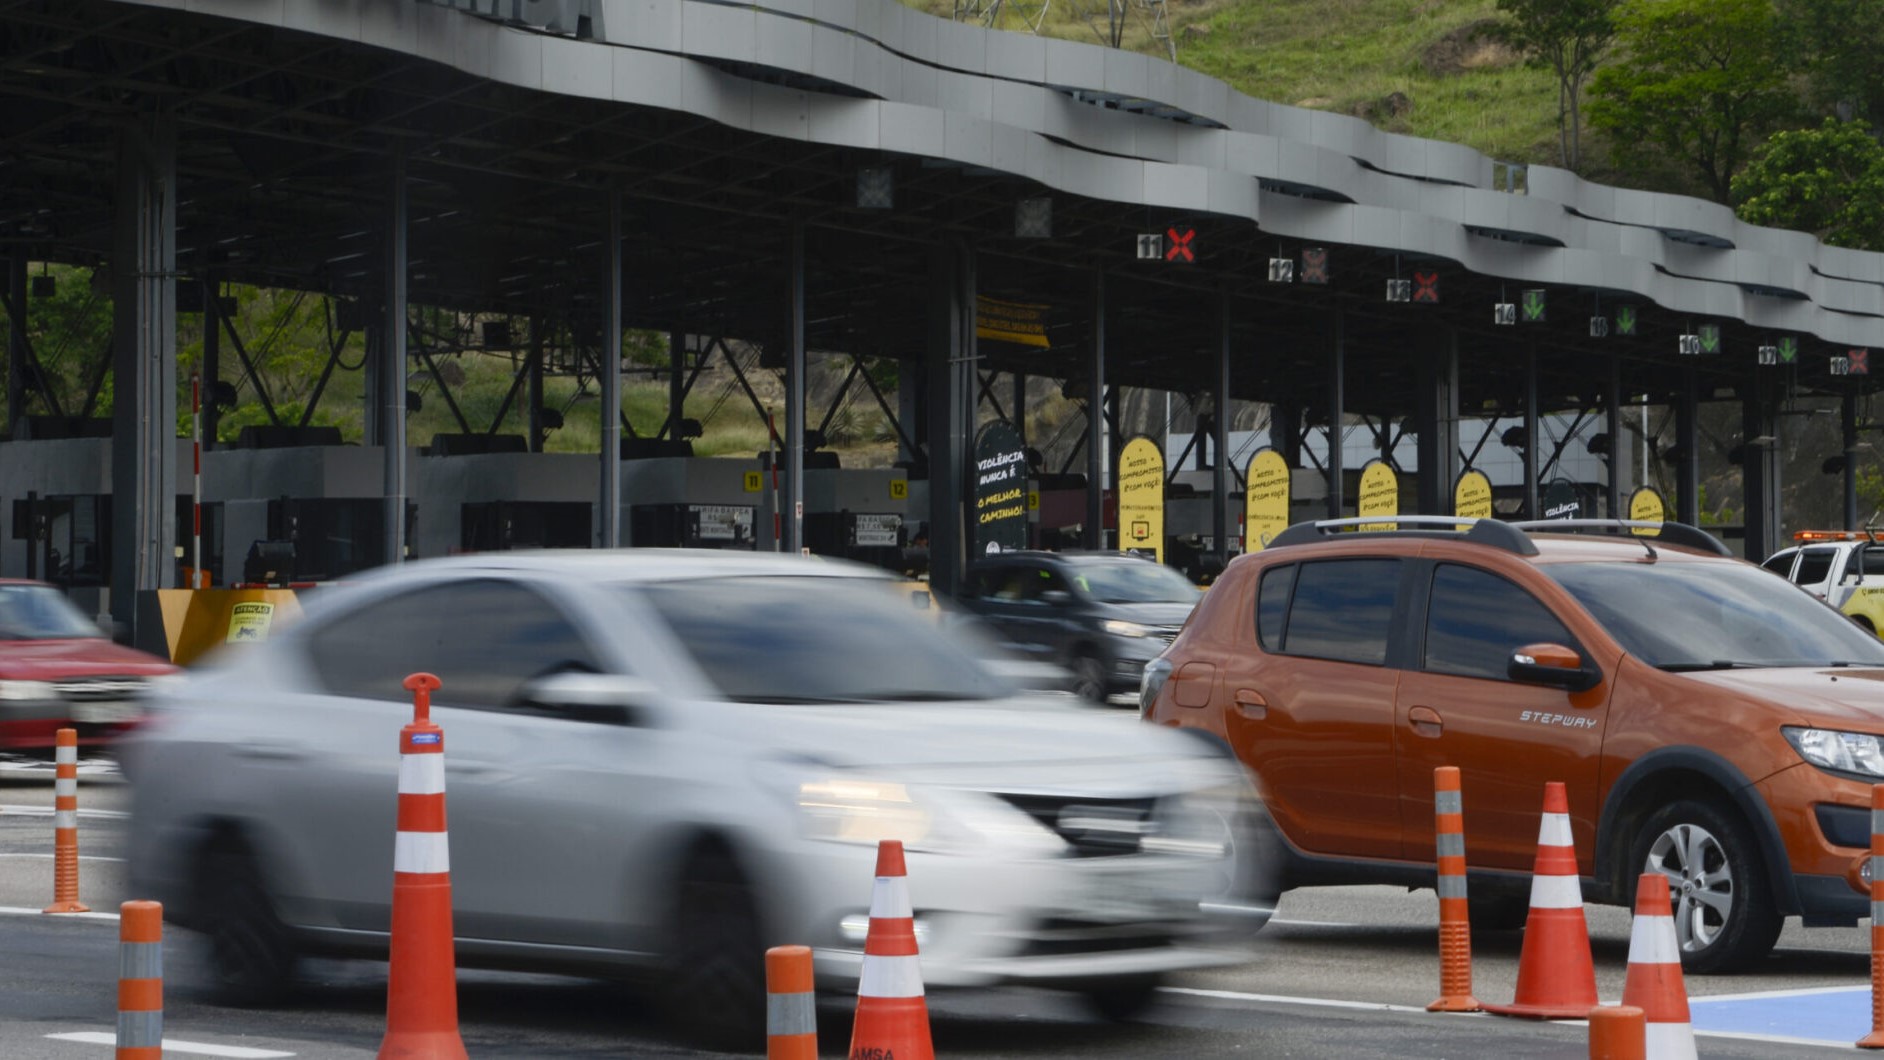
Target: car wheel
<point>1498,912</point>
<point>715,984</point>
<point>1124,999</point>
<point>1089,678</point>
<point>251,958</point>
<point>1723,905</point>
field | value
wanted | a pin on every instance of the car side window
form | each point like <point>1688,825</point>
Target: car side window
<point>483,639</point>
<point>1343,610</point>
<point>1873,561</point>
<point>1780,564</point>
<point>1272,604</point>
<point>1475,619</point>
<point>1815,565</point>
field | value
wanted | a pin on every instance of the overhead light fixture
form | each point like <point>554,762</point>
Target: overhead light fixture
<point>1033,218</point>
<point>876,188</point>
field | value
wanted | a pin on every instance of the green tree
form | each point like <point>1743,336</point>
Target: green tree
<point>1828,181</point>
<point>1701,81</point>
<point>1568,37</point>
<point>1844,38</point>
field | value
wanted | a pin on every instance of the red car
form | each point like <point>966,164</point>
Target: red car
<point>59,670</point>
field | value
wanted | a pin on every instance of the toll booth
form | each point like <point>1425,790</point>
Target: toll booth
<point>320,507</point>
<point>694,502</point>
<point>852,513</point>
<point>492,496</point>
<point>55,497</point>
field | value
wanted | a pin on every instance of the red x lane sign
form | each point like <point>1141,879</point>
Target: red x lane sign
<point>1860,361</point>
<point>1177,244</point>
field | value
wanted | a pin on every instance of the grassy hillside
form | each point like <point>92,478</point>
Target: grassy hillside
<point>1410,66</point>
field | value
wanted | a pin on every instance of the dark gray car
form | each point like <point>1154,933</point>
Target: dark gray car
<point>1101,615</point>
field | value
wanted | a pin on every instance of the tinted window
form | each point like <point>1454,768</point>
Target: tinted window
<point>1873,560</point>
<point>1134,582</point>
<point>1815,565</point>
<point>1272,601</point>
<point>1689,616</point>
<point>1343,609</point>
<point>41,612</point>
<point>1780,564</point>
<point>1475,619</point>
<point>818,640</point>
<point>482,638</point>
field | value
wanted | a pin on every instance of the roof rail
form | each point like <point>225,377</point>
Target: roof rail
<point>1491,532</point>
<point>1668,533</point>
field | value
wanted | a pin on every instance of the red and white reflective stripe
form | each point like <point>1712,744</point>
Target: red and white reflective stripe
<point>420,845</point>
<point>1556,890</point>
<point>65,786</point>
<point>890,965</point>
<point>1653,941</point>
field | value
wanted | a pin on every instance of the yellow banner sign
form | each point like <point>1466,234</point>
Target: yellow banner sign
<point>1645,505</point>
<point>1265,499</point>
<point>1379,495</point>
<point>1472,497</point>
<point>1022,323</point>
<point>1141,498</point>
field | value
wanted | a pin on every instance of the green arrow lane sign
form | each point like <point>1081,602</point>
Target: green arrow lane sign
<point>1710,338</point>
<point>1788,350</point>
<point>1625,320</point>
<point>1533,304</point>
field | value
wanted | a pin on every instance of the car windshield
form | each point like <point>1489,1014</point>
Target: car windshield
<point>1134,582</point>
<point>796,639</point>
<point>41,612</point>
<point>1708,616</point>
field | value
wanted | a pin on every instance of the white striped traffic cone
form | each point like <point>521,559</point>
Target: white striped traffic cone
<point>892,1016</point>
<point>1556,977</point>
<point>1654,982</point>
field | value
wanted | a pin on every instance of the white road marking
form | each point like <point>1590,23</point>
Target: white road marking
<point>171,1045</point>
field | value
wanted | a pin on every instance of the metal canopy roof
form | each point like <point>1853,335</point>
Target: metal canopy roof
<point>286,137</point>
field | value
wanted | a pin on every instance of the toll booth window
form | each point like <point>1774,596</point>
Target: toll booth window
<point>1475,620</point>
<point>1815,565</point>
<point>483,639</point>
<point>797,640</point>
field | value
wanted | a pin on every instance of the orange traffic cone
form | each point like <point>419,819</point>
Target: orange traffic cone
<point>1556,977</point>
<point>422,983</point>
<point>1616,1033</point>
<point>1654,981</point>
<point>892,1017</point>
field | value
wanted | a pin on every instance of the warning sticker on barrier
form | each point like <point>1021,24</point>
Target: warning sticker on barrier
<point>250,622</point>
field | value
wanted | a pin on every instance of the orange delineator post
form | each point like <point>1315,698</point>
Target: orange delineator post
<point>140,981</point>
<point>1875,1040</point>
<point>791,1005</point>
<point>422,982</point>
<point>1617,1032</point>
<point>65,860</point>
<point>1455,926</point>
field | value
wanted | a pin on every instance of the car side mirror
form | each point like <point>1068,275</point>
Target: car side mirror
<point>605,699</point>
<point>1553,665</point>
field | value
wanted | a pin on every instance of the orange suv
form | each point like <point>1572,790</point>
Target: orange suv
<point>1710,721</point>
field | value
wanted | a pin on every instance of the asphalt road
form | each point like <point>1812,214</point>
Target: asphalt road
<point>1342,972</point>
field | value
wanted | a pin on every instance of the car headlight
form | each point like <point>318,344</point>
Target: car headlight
<point>28,690</point>
<point>1119,627</point>
<point>850,810</point>
<point>1845,752</point>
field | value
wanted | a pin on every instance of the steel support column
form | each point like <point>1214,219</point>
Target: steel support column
<point>792,504</point>
<point>17,364</point>
<point>1337,398</point>
<point>1094,534</point>
<point>1220,437</point>
<point>144,363</point>
<point>1759,471</point>
<point>1532,436</point>
<point>535,384</point>
<point>950,389</point>
<point>608,528</point>
<point>1438,424</point>
<point>676,382</point>
<point>1612,424</point>
<point>1848,421</point>
<point>392,364</point>
<point>1688,456</point>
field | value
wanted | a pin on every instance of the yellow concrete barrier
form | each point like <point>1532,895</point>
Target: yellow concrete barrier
<point>186,624</point>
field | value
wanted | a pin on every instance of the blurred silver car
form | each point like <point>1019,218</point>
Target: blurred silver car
<point>659,763</point>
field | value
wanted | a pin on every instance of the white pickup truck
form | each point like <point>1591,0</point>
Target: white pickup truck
<point>1845,568</point>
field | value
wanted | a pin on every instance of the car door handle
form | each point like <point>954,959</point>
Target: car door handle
<point>1426,721</point>
<point>1251,704</point>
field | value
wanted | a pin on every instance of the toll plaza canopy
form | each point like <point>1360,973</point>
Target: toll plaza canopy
<point>852,175</point>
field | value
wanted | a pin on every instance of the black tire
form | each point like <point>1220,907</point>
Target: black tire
<point>251,956</point>
<point>714,990</point>
<point>1725,917</point>
<point>1089,678</point>
<point>1497,911</point>
<point>1119,1000</point>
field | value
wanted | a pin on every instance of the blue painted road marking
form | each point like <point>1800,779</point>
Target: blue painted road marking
<point>1820,1016</point>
